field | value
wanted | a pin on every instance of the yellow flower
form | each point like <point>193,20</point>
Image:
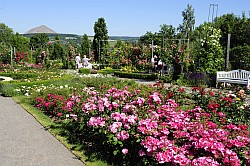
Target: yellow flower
<point>238,99</point>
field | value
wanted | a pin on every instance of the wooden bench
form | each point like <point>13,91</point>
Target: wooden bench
<point>235,76</point>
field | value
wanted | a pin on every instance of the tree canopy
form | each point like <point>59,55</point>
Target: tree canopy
<point>187,26</point>
<point>100,37</point>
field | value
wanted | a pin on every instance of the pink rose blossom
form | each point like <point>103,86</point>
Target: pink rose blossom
<point>124,151</point>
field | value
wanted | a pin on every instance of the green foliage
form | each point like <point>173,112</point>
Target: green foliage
<point>100,38</point>
<point>4,54</point>
<point>129,69</point>
<point>58,52</point>
<point>167,31</point>
<point>55,64</point>
<point>187,26</point>
<point>38,41</point>
<point>14,88</point>
<point>6,34</point>
<point>194,79</point>
<point>166,78</point>
<point>84,71</point>
<point>238,27</point>
<point>20,43</point>
<point>149,37</point>
<point>240,58</point>
<point>6,38</point>
<point>208,52</point>
<point>107,70</point>
<point>85,45</point>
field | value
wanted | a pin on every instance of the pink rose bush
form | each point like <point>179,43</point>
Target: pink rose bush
<point>153,130</point>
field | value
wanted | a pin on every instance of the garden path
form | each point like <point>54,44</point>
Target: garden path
<point>24,141</point>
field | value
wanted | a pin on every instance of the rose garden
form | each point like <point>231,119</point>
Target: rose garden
<point>108,116</point>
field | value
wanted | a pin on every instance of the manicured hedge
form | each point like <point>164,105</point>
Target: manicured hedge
<point>107,71</point>
<point>19,75</point>
<point>136,75</point>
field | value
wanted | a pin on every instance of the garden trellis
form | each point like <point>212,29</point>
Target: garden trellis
<point>107,55</point>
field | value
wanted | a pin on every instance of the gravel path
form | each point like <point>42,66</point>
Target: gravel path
<point>24,142</point>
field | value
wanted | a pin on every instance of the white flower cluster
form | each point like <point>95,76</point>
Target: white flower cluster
<point>27,90</point>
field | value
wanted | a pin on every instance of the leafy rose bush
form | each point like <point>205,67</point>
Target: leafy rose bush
<point>222,102</point>
<point>152,130</point>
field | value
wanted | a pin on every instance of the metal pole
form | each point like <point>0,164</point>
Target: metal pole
<point>11,63</point>
<point>163,41</point>
<point>209,12</point>
<point>14,52</point>
<point>99,52</point>
<point>228,49</point>
<point>213,6</point>
<point>152,48</point>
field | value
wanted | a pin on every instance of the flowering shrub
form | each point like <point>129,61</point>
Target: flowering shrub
<point>21,57</point>
<point>151,130</point>
<point>216,103</point>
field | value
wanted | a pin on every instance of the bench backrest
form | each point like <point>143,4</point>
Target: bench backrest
<point>234,74</point>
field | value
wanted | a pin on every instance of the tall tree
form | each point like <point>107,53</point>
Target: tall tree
<point>85,45</point>
<point>149,37</point>
<point>187,26</point>
<point>6,34</point>
<point>168,31</point>
<point>39,41</point>
<point>100,38</point>
<point>58,51</point>
<point>226,23</point>
<point>238,27</point>
<point>21,43</point>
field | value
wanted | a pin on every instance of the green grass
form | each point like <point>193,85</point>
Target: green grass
<point>56,130</point>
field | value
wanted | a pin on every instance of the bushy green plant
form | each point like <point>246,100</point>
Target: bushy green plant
<point>56,64</point>
<point>166,78</point>
<point>208,51</point>
<point>129,69</point>
<point>84,71</point>
<point>240,58</point>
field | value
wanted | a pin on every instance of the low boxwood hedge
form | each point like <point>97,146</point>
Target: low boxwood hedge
<point>107,71</point>
<point>136,75</point>
<point>19,75</point>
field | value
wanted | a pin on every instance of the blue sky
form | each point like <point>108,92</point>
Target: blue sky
<point>123,17</point>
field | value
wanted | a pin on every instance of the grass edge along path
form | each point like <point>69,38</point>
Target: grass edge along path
<point>46,122</point>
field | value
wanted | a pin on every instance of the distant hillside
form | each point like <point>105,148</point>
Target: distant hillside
<point>123,38</point>
<point>77,38</point>
<point>70,37</point>
<point>41,29</point>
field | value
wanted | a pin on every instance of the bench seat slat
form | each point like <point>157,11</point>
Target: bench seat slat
<point>234,76</point>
